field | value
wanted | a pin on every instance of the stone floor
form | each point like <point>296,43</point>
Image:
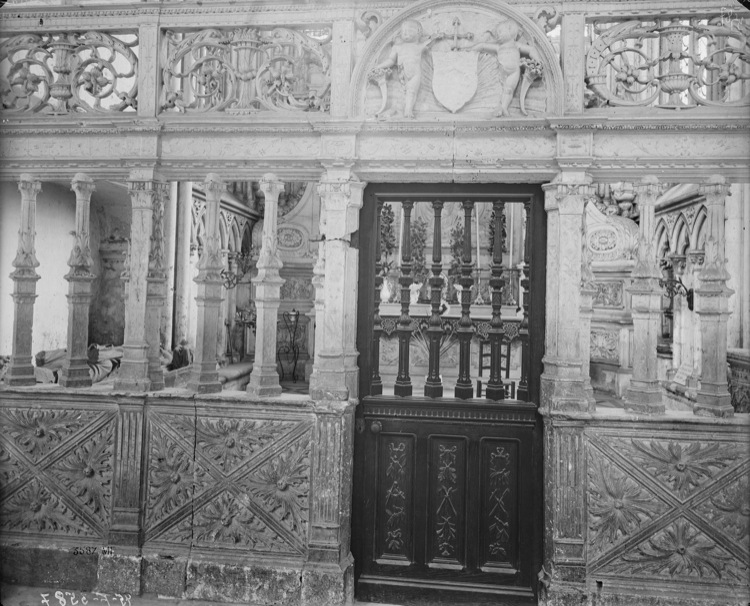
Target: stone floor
<point>15,595</point>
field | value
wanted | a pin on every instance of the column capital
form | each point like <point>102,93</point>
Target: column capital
<point>341,200</point>
<point>214,184</point>
<point>568,192</point>
<point>647,190</point>
<point>715,189</point>
<point>29,186</point>
<point>271,186</point>
<point>82,185</point>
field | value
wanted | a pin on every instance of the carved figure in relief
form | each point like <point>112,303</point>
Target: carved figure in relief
<point>509,54</point>
<point>406,54</point>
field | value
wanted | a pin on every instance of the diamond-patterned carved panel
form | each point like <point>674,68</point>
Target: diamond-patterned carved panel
<point>618,504</point>
<point>671,508</point>
<point>229,483</point>
<point>57,468</point>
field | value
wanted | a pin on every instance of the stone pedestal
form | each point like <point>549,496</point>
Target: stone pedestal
<point>264,380</point>
<point>205,377</point>
<point>335,374</point>
<point>712,306</point>
<point>75,369</point>
<point>563,385</point>
<point>20,370</point>
<point>145,189</point>
<point>645,393</point>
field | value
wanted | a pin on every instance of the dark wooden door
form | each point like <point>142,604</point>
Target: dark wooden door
<point>447,485</point>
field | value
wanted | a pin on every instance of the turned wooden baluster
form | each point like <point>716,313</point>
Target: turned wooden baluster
<point>523,331</point>
<point>433,387</point>
<point>376,384</point>
<point>403,380</point>
<point>495,389</point>
<point>464,388</point>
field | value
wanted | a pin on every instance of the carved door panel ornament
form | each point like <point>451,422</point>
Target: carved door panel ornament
<point>484,60</point>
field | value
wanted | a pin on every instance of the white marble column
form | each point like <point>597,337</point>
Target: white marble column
<point>24,276</point>
<point>264,379</point>
<point>712,305</point>
<point>170,252</point>
<point>738,265</point>
<point>335,373</point>
<point>144,187</point>
<point>75,369</point>
<point>315,327</point>
<point>183,278</point>
<point>644,393</point>
<point>156,295</point>
<point>205,377</point>
<point>563,385</point>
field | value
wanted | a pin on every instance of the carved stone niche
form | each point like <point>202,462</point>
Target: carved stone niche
<point>469,60</point>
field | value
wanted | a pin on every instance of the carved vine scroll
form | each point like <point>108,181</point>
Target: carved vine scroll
<point>670,64</point>
<point>246,70</point>
<point>70,72</point>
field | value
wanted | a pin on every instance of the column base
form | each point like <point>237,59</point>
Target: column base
<point>264,383</point>
<point>75,374</point>
<point>134,369</point>
<point>133,384</point>
<point>645,397</point>
<point>335,377</point>
<point>204,383</point>
<point>713,405</point>
<point>563,387</point>
<point>20,375</point>
<point>328,583</point>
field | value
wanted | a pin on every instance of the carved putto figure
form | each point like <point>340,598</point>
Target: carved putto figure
<point>406,53</point>
<point>509,54</point>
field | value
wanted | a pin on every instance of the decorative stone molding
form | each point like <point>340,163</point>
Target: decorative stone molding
<point>425,45</point>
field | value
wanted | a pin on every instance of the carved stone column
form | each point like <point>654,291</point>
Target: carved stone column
<point>75,369</point>
<point>712,305</point>
<point>327,576</point>
<point>316,314</point>
<point>264,380</point>
<point>182,281</point>
<point>335,374</point>
<point>134,369</point>
<point>563,384</point>
<point>588,290</point>
<point>20,370</point>
<point>157,288</point>
<point>645,393</point>
<point>205,377</point>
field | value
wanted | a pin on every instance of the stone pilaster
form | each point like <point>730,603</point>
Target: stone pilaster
<point>563,385</point>
<point>205,377</point>
<point>572,39</point>
<point>712,306</point>
<point>134,370</point>
<point>75,369</point>
<point>588,290</point>
<point>182,279</point>
<point>318,280</point>
<point>645,393</point>
<point>565,504</point>
<point>342,59</point>
<point>24,276</point>
<point>335,373</point>
<point>327,577</point>
<point>264,380</point>
<point>156,295</point>
<point>148,69</point>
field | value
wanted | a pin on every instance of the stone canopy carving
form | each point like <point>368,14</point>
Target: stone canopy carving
<point>471,60</point>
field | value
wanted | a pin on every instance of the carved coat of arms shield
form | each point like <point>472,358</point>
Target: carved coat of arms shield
<point>454,77</point>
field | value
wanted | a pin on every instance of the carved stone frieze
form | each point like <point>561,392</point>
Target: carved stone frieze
<point>608,293</point>
<point>728,510</point>
<point>605,345</point>
<point>482,59</point>
<point>69,72</point>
